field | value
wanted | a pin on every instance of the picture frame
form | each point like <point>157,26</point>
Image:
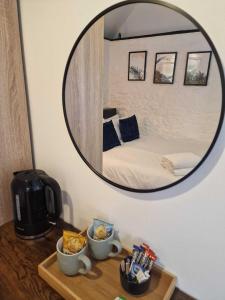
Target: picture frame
<point>197,68</point>
<point>165,65</point>
<point>137,61</point>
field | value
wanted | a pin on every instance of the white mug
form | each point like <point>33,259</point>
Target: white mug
<point>102,249</point>
<point>72,264</point>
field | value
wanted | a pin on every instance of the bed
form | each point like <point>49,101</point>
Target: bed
<point>137,164</point>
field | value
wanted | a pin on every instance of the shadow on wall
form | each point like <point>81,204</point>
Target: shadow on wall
<point>67,207</point>
<point>192,181</point>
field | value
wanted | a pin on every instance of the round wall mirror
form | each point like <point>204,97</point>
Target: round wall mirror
<point>143,95</point>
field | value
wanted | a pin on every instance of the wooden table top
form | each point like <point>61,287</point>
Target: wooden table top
<point>19,279</point>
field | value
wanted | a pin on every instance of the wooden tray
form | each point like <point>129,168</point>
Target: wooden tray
<point>103,282</point>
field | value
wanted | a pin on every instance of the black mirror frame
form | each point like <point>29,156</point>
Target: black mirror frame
<point>220,67</point>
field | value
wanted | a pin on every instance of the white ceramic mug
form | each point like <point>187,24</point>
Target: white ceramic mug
<point>72,264</point>
<point>102,249</point>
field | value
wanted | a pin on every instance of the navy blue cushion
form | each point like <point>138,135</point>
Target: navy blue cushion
<point>129,129</point>
<point>110,137</point>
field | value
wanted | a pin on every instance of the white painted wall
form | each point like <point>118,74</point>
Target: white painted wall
<point>143,18</point>
<point>185,224</point>
<point>170,110</point>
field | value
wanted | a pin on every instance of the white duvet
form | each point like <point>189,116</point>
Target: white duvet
<point>137,164</point>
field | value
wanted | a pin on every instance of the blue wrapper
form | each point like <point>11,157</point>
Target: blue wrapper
<point>141,253</point>
<point>134,269</point>
<point>135,252</point>
<point>101,229</point>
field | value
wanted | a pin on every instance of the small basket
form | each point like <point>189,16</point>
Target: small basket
<point>132,287</point>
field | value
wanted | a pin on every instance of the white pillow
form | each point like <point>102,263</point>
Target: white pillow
<point>115,120</point>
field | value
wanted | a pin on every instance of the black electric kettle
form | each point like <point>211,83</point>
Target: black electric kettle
<point>36,203</point>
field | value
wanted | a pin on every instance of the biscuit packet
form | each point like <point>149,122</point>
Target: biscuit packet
<point>73,242</point>
<point>102,230</point>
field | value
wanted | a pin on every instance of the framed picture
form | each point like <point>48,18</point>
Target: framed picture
<point>137,65</point>
<point>165,63</point>
<point>197,68</point>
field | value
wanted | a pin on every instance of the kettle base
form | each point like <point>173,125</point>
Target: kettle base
<point>33,237</point>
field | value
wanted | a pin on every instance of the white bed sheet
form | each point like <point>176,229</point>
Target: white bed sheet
<point>137,164</point>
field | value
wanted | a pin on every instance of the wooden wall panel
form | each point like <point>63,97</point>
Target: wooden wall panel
<point>15,147</point>
<point>84,94</point>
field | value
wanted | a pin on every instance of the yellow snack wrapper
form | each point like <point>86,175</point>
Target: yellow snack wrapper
<point>73,242</point>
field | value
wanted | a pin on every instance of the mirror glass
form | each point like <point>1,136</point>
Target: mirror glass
<point>143,96</point>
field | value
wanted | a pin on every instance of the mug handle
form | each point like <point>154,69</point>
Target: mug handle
<point>118,246</point>
<point>87,264</point>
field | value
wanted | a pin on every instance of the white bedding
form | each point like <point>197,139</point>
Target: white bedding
<point>137,164</point>
<point>181,160</point>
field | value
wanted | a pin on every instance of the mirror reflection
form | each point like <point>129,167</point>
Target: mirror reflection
<point>143,96</point>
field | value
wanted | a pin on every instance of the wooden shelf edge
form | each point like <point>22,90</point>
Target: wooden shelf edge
<point>56,284</point>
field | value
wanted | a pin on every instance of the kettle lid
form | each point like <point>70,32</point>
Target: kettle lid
<point>28,174</point>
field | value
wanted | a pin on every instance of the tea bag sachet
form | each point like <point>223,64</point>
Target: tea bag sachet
<point>73,242</point>
<point>102,230</point>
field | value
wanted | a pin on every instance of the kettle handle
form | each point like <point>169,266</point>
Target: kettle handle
<point>52,198</point>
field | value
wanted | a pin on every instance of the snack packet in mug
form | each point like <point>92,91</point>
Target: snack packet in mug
<point>72,242</point>
<point>102,230</point>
